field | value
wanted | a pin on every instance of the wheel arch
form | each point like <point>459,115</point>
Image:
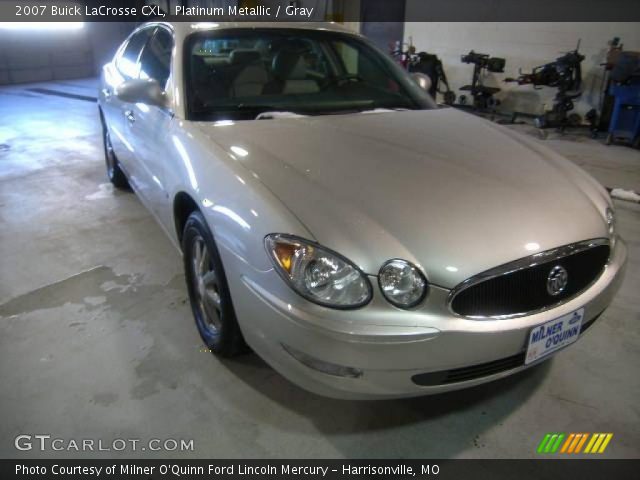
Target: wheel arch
<point>183,206</point>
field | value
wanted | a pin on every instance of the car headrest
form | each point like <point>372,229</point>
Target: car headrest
<point>289,65</point>
<point>198,66</point>
<point>244,56</point>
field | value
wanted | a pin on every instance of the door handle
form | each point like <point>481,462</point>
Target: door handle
<point>130,116</point>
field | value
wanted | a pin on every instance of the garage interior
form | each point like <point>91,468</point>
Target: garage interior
<point>96,333</point>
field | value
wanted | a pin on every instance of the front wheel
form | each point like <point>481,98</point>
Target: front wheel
<point>208,289</point>
<point>114,172</point>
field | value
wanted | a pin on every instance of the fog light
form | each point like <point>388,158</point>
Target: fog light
<point>322,366</point>
<point>402,284</point>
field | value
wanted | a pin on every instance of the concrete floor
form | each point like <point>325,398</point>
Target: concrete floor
<point>97,340</point>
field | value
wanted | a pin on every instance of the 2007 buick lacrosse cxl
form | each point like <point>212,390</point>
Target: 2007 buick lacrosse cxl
<point>363,241</point>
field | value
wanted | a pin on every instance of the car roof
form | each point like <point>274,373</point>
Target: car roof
<point>183,29</point>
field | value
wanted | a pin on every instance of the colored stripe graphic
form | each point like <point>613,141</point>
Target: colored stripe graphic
<point>556,445</point>
<point>543,443</point>
<point>591,442</point>
<point>550,443</point>
<point>572,443</point>
<point>598,443</point>
<point>581,443</point>
<point>576,439</point>
<point>567,443</point>
<point>605,443</point>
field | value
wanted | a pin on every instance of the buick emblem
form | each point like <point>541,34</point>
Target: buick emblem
<point>557,280</point>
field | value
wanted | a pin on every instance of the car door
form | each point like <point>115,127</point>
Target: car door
<point>149,124</point>
<point>127,67</point>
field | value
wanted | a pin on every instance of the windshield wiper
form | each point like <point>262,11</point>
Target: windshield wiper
<point>261,106</point>
<point>271,114</point>
<point>244,107</point>
<point>382,109</point>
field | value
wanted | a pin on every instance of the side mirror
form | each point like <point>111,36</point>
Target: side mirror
<point>139,90</point>
<point>423,81</point>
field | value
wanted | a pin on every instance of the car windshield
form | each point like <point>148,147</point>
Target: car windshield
<point>241,73</point>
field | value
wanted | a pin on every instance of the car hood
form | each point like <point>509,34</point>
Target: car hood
<point>451,192</point>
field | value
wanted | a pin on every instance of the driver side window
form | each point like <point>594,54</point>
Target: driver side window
<point>127,62</point>
<point>155,61</point>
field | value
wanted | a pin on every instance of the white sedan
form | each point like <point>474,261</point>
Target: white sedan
<point>363,241</point>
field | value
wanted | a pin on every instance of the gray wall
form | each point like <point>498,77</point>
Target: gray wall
<point>43,55</point>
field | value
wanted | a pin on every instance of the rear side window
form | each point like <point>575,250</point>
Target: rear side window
<point>155,61</point>
<point>127,63</point>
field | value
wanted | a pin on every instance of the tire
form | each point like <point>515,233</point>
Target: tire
<point>209,293</point>
<point>114,172</point>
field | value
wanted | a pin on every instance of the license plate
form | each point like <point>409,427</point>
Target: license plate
<point>554,335</point>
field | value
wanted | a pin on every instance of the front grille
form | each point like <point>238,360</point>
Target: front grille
<point>473,372</point>
<point>514,289</point>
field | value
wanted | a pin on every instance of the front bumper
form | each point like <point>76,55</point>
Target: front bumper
<point>395,350</point>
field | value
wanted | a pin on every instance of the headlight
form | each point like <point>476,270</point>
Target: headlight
<point>611,221</point>
<point>402,283</point>
<point>318,274</point>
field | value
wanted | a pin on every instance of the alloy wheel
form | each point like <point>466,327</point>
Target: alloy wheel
<point>206,286</point>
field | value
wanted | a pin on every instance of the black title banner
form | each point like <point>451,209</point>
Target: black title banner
<point>317,469</point>
<point>305,11</point>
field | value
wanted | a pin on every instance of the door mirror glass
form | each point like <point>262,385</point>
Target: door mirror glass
<point>140,90</point>
<point>423,81</point>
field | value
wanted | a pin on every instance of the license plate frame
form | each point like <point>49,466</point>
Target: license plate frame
<point>553,335</point>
